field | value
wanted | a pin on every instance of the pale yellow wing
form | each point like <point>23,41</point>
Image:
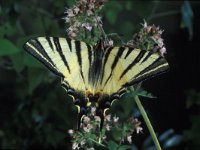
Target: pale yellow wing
<point>123,67</point>
<point>65,57</point>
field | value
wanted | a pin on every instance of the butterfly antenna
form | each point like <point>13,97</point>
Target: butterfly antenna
<point>100,114</point>
<point>102,122</point>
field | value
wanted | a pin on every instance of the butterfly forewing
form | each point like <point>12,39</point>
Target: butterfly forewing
<point>65,57</point>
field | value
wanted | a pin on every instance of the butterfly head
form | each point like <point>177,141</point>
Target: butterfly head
<point>93,98</point>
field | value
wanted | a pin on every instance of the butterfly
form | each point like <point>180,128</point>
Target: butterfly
<point>95,74</point>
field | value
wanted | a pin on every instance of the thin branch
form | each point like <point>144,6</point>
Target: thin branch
<point>167,13</point>
<point>97,142</point>
<point>148,123</point>
<point>153,11</point>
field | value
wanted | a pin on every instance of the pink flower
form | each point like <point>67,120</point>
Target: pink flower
<point>129,139</point>
<point>75,146</point>
<point>108,117</point>
<point>139,129</point>
<point>108,127</point>
<point>71,132</point>
<point>115,119</point>
<point>87,26</point>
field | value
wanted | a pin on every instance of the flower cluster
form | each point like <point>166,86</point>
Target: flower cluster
<point>149,38</point>
<point>89,130</point>
<point>136,127</point>
<point>83,17</point>
<point>89,134</point>
<point>129,128</point>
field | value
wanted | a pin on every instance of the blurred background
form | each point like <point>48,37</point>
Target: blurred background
<point>36,112</point>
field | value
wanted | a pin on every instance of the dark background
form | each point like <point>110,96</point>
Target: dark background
<point>36,112</point>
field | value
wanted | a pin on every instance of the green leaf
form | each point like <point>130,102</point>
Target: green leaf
<point>35,77</point>
<point>7,29</point>
<point>17,63</point>
<point>22,40</point>
<point>112,145</point>
<point>187,17</point>
<point>141,92</point>
<point>112,10</point>
<point>70,2</point>
<point>30,61</point>
<point>142,8</point>
<point>111,16</point>
<point>124,147</point>
<point>7,48</point>
<point>127,29</point>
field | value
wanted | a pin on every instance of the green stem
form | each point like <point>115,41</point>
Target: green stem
<point>148,123</point>
<point>97,142</point>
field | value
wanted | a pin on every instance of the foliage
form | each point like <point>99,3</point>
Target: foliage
<point>192,135</point>
<point>34,110</point>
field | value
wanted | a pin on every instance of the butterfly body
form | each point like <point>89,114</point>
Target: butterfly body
<point>95,75</point>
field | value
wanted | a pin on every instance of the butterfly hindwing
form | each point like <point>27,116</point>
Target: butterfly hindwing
<point>126,66</point>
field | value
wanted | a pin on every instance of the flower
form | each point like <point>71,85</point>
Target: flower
<point>76,10</point>
<point>139,129</point>
<point>90,148</point>
<point>71,132</point>
<point>87,26</point>
<point>93,111</point>
<point>72,31</point>
<point>75,146</point>
<point>136,125</point>
<point>129,139</point>
<point>148,38</point>
<point>83,142</point>
<point>110,42</point>
<point>115,119</point>
<point>86,119</point>
<point>108,127</point>
<point>87,128</point>
<point>85,13</point>
<point>97,118</point>
<point>70,13</point>
<point>104,137</point>
<point>89,12</point>
<point>108,117</point>
<point>162,51</point>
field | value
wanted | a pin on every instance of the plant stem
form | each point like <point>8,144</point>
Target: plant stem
<point>97,142</point>
<point>148,123</point>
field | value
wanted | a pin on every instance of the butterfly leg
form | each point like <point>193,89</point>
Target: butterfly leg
<point>100,113</point>
<point>79,119</point>
<point>82,110</point>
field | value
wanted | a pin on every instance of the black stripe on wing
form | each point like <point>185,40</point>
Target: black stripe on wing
<point>90,62</point>
<point>59,50</point>
<point>35,43</point>
<point>135,61</point>
<point>128,52</point>
<point>69,44</point>
<point>49,42</point>
<point>147,76</point>
<point>114,64</point>
<point>159,61</point>
<point>107,53</point>
<point>78,53</point>
<point>45,59</point>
